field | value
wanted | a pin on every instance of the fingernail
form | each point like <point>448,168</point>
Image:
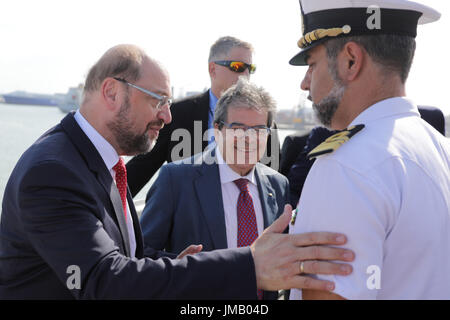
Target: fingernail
<point>345,269</point>
<point>340,239</point>
<point>348,256</point>
<point>330,287</point>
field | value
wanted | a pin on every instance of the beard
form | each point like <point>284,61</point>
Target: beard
<point>129,141</point>
<point>326,108</point>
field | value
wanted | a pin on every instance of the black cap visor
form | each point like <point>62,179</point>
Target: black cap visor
<point>300,58</point>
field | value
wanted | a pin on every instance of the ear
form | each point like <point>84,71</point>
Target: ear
<point>212,70</point>
<point>217,130</point>
<point>352,60</point>
<point>110,93</point>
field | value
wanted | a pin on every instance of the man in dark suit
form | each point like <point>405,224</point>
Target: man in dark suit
<point>195,201</point>
<point>192,118</point>
<point>69,228</point>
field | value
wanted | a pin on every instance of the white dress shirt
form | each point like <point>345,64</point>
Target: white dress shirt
<point>110,157</point>
<point>388,190</point>
<point>230,195</point>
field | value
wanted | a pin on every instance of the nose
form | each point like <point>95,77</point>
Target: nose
<point>165,114</point>
<point>306,82</point>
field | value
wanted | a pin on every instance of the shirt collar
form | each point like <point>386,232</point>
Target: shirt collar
<point>228,175</point>
<point>212,101</point>
<point>386,108</point>
<point>104,148</point>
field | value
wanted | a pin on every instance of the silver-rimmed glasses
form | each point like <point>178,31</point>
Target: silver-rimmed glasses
<point>162,100</point>
<point>241,130</point>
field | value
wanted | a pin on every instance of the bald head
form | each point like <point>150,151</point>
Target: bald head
<point>124,61</point>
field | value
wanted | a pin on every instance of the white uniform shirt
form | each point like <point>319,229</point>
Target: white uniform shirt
<point>230,195</point>
<point>110,157</point>
<point>388,190</point>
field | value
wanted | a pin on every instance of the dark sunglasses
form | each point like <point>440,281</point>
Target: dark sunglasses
<point>237,66</point>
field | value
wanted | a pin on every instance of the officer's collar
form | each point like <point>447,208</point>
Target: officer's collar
<point>386,108</point>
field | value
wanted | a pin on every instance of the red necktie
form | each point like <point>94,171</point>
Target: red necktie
<point>121,182</point>
<point>247,227</point>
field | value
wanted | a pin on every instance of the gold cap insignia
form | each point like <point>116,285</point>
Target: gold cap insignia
<point>318,34</point>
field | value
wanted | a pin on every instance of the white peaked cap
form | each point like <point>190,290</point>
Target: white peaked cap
<point>428,14</point>
<point>327,19</point>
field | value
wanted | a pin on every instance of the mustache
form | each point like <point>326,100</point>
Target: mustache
<point>158,124</point>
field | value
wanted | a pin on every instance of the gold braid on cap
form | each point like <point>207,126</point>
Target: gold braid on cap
<point>318,34</point>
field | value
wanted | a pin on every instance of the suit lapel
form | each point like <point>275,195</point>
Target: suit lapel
<point>201,112</point>
<point>202,109</point>
<point>267,197</point>
<point>95,163</point>
<point>137,227</point>
<point>209,193</point>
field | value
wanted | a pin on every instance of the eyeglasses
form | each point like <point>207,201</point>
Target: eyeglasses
<point>237,66</point>
<point>241,130</point>
<point>162,100</point>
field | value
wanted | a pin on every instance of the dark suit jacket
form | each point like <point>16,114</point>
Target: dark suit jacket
<point>292,146</point>
<point>185,113</point>
<point>434,116</point>
<point>61,208</point>
<point>184,205</point>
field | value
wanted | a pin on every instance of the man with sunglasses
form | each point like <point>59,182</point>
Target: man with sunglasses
<point>69,228</point>
<point>192,117</point>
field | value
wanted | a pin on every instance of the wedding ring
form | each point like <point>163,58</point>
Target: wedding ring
<point>302,267</point>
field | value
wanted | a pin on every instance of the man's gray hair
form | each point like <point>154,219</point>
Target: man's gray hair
<point>244,95</point>
<point>221,48</point>
<point>394,53</point>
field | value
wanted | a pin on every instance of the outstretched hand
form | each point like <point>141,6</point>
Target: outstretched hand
<point>278,256</point>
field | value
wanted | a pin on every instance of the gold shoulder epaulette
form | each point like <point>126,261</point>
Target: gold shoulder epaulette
<point>335,141</point>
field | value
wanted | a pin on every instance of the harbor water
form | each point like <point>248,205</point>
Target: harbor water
<point>20,126</point>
